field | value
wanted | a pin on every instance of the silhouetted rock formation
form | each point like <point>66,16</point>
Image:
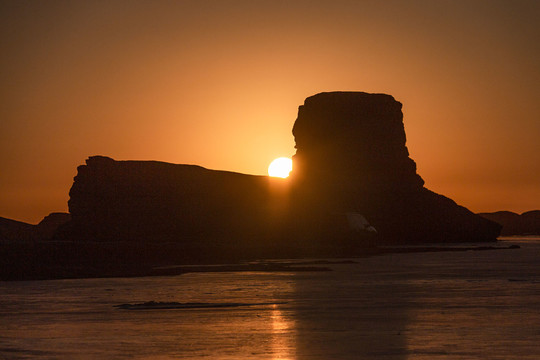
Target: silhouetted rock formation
<point>17,231</point>
<point>527,223</point>
<point>210,212</point>
<point>13,230</point>
<point>50,223</point>
<point>351,157</point>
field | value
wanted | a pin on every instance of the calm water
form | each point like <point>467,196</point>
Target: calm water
<point>447,305</point>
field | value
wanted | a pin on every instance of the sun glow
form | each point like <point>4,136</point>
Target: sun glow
<point>280,167</point>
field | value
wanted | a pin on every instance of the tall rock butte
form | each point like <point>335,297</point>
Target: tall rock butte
<point>351,157</point>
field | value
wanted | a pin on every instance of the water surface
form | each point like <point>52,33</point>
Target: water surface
<point>440,305</point>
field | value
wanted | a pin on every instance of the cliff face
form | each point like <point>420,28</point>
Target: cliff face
<point>351,157</point>
<point>343,136</point>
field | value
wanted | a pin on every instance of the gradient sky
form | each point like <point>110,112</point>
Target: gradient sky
<point>218,84</point>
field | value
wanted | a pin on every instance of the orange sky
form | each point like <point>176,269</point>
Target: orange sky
<point>218,84</point>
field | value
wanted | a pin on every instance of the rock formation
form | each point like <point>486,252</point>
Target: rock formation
<point>18,231</point>
<point>527,223</point>
<point>150,201</point>
<point>351,157</point>
<point>50,223</point>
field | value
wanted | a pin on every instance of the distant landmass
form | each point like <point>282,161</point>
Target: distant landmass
<point>512,223</point>
<point>353,187</point>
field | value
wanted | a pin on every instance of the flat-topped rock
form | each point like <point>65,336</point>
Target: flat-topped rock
<point>352,157</point>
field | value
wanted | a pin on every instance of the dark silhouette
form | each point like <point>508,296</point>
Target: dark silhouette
<point>351,157</point>
<point>351,169</point>
<point>13,230</point>
<point>211,213</point>
<point>18,231</point>
<point>527,223</point>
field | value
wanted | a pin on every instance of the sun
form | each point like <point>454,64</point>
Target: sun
<point>280,167</point>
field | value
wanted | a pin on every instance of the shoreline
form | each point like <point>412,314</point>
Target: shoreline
<point>44,271</point>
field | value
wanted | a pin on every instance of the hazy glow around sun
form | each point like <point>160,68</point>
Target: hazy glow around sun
<point>280,167</point>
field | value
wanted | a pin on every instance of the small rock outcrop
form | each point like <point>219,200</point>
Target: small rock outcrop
<point>351,157</point>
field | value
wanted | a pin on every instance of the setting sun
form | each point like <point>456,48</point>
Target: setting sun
<point>280,167</point>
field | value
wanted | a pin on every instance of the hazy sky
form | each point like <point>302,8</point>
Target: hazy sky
<point>218,84</point>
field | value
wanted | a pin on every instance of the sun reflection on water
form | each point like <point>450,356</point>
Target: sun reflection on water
<point>283,334</point>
